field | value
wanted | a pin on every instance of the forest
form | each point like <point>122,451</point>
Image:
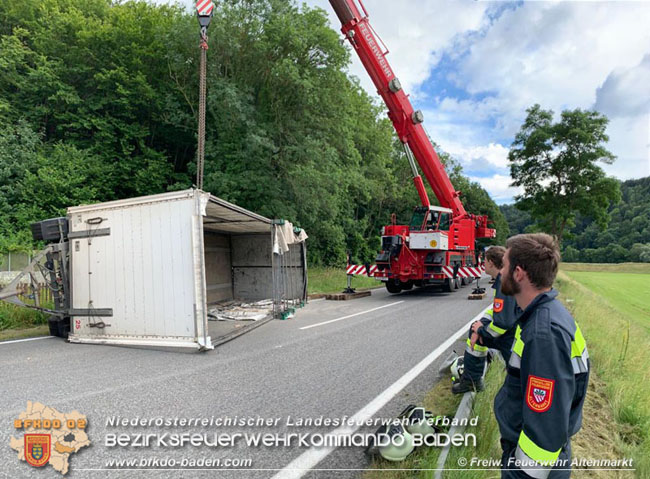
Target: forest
<point>626,238</point>
<point>98,102</point>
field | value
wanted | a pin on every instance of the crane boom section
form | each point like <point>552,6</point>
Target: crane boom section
<point>407,122</point>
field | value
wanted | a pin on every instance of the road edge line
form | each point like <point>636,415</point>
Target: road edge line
<point>310,458</point>
<point>351,315</point>
<point>25,339</point>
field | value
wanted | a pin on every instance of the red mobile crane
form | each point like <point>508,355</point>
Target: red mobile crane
<point>438,246</point>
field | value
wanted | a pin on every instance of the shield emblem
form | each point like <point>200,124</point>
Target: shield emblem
<point>539,393</point>
<point>37,449</point>
<point>497,307</point>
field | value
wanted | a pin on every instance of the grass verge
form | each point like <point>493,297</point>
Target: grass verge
<point>438,400</point>
<point>441,401</point>
<point>334,280</point>
<point>17,322</point>
<point>617,337</point>
<point>36,331</point>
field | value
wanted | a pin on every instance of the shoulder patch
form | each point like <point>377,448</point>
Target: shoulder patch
<point>539,393</point>
<point>498,305</point>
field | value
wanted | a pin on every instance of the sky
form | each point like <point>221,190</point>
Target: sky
<point>474,67</point>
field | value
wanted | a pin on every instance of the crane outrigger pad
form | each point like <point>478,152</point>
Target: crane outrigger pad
<point>346,296</point>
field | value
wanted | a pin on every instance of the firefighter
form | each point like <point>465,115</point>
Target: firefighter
<point>539,406</point>
<point>494,330</point>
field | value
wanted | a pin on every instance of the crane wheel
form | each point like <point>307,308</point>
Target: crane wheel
<point>407,286</point>
<point>59,327</point>
<point>392,287</point>
<point>450,285</point>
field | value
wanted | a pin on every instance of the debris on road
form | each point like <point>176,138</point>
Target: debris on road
<point>239,311</point>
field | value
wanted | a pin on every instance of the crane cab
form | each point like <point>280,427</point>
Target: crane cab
<point>429,228</point>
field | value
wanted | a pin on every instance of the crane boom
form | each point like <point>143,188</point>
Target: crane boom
<point>438,246</point>
<point>406,120</point>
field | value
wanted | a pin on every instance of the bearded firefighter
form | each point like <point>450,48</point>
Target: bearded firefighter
<point>539,406</point>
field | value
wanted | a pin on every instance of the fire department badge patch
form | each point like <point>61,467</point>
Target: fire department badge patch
<point>539,393</point>
<point>37,449</point>
<point>497,307</point>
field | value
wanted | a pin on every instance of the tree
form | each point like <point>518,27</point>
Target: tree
<point>556,165</point>
<point>570,255</point>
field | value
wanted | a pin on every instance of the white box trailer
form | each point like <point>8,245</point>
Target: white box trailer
<point>144,270</point>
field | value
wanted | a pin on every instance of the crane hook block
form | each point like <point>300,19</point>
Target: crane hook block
<point>204,10</point>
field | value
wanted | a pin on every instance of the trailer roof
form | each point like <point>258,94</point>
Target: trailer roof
<point>219,215</point>
<point>224,217</point>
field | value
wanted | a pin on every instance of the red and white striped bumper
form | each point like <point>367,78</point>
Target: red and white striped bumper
<point>360,269</point>
<point>464,271</point>
<point>448,271</point>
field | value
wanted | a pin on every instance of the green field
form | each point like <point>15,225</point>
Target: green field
<point>607,267</point>
<point>629,293</point>
<point>612,306</point>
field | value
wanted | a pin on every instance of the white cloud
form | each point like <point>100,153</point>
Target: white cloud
<point>562,55</point>
<point>556,53</point>
<point>499,187</point>
<point>626,92</point>
<point>416,33</point>
<point>494,154</point>
<point>630,142</point>
<point>565,55</point>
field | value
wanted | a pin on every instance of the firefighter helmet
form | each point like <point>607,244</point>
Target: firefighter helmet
<point>457,368</point>
<point>392,442</point>
<point>417,420</point>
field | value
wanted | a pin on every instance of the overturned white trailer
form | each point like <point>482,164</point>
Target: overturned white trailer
<point>143,271</point>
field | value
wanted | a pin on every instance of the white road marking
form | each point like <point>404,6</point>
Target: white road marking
<point>310,458</point>
<point>26,339</point>
<point>351,315</point>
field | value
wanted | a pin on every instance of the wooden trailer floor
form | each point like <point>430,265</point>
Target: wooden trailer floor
<point>229,327</point>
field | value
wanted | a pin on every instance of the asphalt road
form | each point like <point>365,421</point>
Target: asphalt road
<point>306,367</point>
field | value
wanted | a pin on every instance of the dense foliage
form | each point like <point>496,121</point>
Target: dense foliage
<point>626,239</point>
<point>98,98</point>
<point>556,164</point>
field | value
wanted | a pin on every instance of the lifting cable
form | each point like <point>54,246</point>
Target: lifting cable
<point>204,10</point>
<point>203,45</point>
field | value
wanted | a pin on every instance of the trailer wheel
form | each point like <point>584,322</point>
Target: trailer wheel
<point>59,327</point>
<point>392,287</point>
<point>407,286</point>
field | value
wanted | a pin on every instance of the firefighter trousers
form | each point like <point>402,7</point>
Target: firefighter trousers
<point>474,362</point>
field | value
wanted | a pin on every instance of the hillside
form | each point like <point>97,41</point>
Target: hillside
<point>627,238</point>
